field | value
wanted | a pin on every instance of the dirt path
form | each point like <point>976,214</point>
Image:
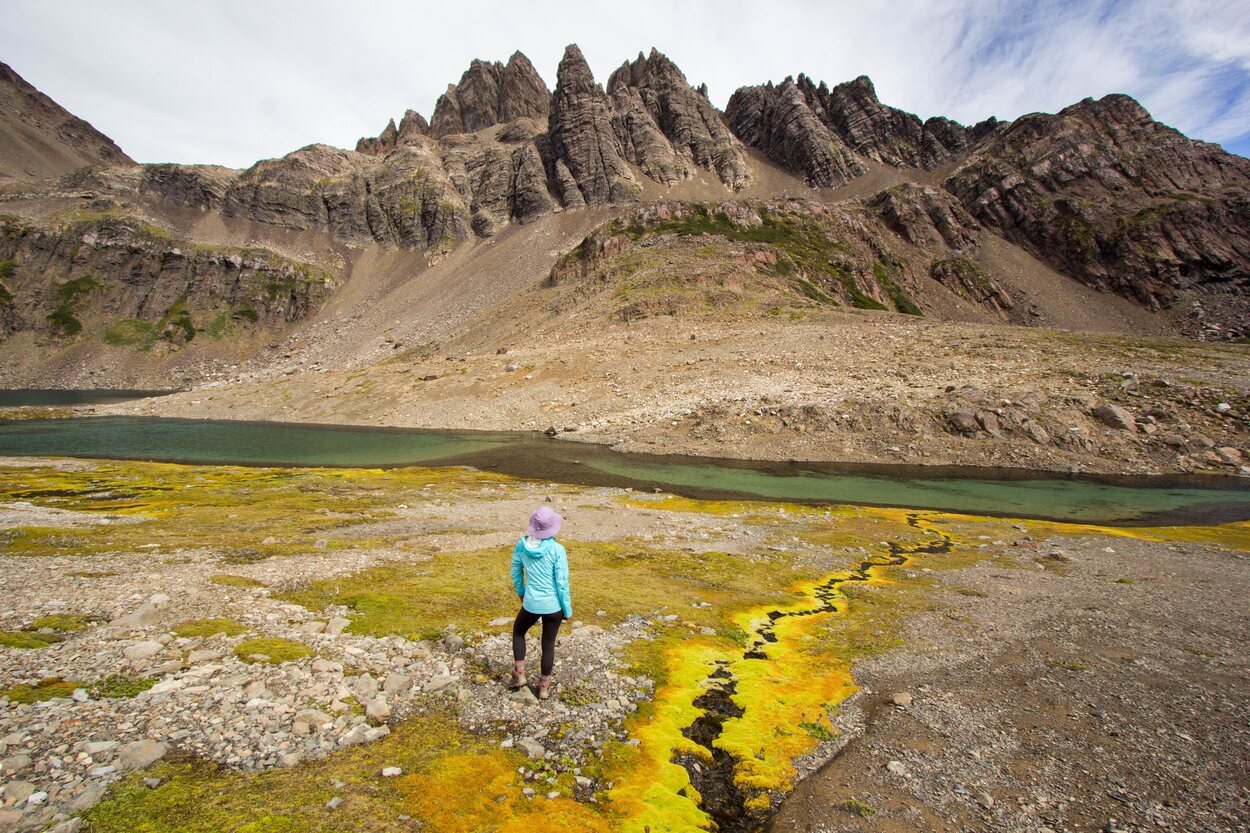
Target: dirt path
<point>1107,689</point>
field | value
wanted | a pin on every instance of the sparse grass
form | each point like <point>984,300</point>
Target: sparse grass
<point>817,729</point>
<point>229,580</point>
<point>857,808</point>
<point>46,689</point>
<point>210,627</point>
<point>128,331</point>
<point>276,650</point>
<point>67,295</point>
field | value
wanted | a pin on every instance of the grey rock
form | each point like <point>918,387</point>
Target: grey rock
<point>1115,417</point>
<point>139,754</point>
<point>396,683</point>
<point>144,615</point>
<point>15,763</point>
<point>378,709</point>
<point>314,718</point>
<point>141,651</point>
<point>439,682</point>
<point>337,625</point>
<point>532,748</point>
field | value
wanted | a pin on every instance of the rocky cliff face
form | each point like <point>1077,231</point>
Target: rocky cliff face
<point>490,94</point>
<point>884,134</point>
<point>39,138</point>
<point>780,122</point>
<point>583,140</point>
<point>117,278</point>
<point>1115,199</point>
<point>666,126</point>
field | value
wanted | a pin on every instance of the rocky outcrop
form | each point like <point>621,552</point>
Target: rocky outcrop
<point>410,127</point>
<point>580,129</point>
<point>1113,198</point>
<point>132,283</point>
<point>779,121</point>
<point>39,138</point>
<point>490,94</point>
<point>926,216</point>
<point>884,134</point>
<point>664,124</point>
<point>968,280</point>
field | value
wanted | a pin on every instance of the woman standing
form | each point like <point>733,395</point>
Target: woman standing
<point>540,576</point>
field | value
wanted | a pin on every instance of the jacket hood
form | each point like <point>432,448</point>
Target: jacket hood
<point>540,551</point>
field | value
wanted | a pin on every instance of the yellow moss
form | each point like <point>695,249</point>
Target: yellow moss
<point>228,580</point>
<point>481,793</point>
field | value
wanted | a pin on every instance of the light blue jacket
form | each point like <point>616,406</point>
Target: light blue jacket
<point>541,574</point>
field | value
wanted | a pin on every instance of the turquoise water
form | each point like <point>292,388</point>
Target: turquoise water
<point>980,492</point>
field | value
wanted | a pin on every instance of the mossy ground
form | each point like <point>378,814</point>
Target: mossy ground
<point>454,781</point>
<point>273,649</point>
<point>210,627</point>
<point>46,689</point>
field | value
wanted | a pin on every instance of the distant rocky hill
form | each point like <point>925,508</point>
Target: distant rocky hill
<point>1100,193</point>
<point>39,138</point>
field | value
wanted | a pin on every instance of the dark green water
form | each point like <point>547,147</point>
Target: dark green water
<point>12,398</point>
<point>974,491</point>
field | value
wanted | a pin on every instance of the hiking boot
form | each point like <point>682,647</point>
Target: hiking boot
<point>544,687</point>
<point>518,678</point>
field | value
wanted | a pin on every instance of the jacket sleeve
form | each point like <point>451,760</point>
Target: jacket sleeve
<point>562,584</point>
<point>518,571</point>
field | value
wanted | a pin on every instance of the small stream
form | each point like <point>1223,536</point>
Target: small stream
<point>722,799</point>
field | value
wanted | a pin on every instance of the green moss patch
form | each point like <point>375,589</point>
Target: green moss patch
<point>275,650</point>
<point>200,797</point>
<point>210,627</point>
<point>63,622</point>
<point>46,689</point>
<point>25,639</point>
<point>120,685</point>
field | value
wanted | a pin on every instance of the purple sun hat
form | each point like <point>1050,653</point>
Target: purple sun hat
<point>544,523</point>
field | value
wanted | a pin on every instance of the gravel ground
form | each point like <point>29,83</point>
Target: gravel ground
<point>1106,687</point>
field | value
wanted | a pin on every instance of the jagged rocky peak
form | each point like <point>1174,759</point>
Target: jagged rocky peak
<point>410,127</point>
<point>1115,199</point>
<point>884,134</point>
<point>589,159</point>
<point>779,121</point>
<point>491,93</point>
<point>664,123</point>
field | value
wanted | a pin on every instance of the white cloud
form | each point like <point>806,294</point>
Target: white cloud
<point>235,81</point>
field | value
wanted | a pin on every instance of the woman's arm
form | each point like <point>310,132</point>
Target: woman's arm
<point>562,584</point>
<point>518,571</point>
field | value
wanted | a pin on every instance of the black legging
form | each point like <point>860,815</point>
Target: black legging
<point>551,625</point>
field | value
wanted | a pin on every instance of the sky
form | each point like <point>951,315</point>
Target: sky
<point>232,82</point>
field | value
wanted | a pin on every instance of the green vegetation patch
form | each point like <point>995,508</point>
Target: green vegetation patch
<point>421,600</point>
<point>28,639</point>
<point>200,797</point>
<point>887,275</point>
<point>120,685</point>
<point>127,332</point>
<point>209,627</point>
<point>63,317</point>
<point>275,649</point>
<point>63,622</point>
<point>46,689</point>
